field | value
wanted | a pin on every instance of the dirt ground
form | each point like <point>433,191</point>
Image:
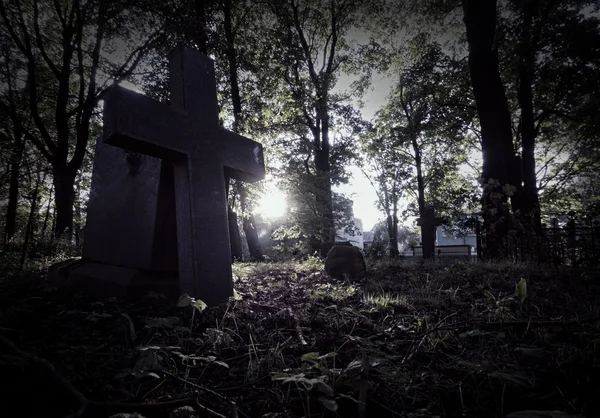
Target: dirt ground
<point>410,340</point>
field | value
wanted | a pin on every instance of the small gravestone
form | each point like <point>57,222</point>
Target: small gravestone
<point>195,155</point>
<point>428,224</point>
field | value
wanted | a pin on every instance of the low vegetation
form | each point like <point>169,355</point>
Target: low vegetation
<point>409,340</point>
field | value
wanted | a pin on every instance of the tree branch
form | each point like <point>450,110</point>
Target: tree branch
<point>40,44</point>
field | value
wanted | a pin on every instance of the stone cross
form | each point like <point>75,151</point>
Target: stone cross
<point>428,224</point>
<point>187,136</point>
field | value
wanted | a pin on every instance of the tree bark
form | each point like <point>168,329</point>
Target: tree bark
<point>236,100</point>
<point>392,226</point>
<point>249,227</point>
<point>515,180</point>
<point>234,235</point>
<point>530,204</point>
<point>420,181</point>
<point>320,125</point>
<point>29,229</point>
<point>47,215</point>
<point>64,196</point>
<point>13,191</point>
<point>77,212</point>
<point>494,118</point>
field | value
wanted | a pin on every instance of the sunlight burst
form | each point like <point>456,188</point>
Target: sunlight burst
<point>273,203</point>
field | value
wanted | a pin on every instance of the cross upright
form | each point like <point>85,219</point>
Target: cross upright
<point>187,133</point>
<point>428,224</point>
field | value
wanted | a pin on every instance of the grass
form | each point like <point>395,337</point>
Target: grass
<point>411,340</point>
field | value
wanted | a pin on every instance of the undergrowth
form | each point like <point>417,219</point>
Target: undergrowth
<point>410,340</point>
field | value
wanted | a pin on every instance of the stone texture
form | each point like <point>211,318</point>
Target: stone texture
<point>131,211</point>
<point>154,160</point>
<point>187,133</point>
<point>345,259</point>
<point>328,245</point>
<point>104,280</point>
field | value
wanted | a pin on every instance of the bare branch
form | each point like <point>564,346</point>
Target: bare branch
<point>40,43</point>
<point>59,14</point>
<point>334,37</point>
<point>311,68</point>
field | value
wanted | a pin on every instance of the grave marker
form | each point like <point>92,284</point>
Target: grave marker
<point>197,154</point>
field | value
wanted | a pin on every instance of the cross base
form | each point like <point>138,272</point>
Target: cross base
<point>105,280</point>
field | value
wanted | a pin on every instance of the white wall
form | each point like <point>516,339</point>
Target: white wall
<point>356,240</point>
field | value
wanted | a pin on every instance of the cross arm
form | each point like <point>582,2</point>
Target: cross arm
<point>138,123</point>
<point>242,157</point>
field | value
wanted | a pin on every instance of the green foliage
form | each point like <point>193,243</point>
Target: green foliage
<point>521,290</point>
<point>408,236</point>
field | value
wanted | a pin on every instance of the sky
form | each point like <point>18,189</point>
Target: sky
<point>359,189</point>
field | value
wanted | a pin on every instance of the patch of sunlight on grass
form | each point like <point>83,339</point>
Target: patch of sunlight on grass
<point>243,269</point>
<point>333,291</point>
<point>384,299</point>
<point>262,269</point>
<point>311,263</point>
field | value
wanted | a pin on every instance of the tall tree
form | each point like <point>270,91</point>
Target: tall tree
<point>309,36</point>
<point>494,119</point>
<point>425,117</point>
<point>388,170</point>
<point>13,140</point>
<point>67,73</point>
<point>11,130</point>
<point>550,76</point>
<point>230,27</point>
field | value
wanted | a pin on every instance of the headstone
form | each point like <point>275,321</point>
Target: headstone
<point>195,155</point>
<point>345,259</point>
<point>428,224</point>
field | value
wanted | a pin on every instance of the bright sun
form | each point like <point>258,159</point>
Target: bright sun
<point>273,203</point>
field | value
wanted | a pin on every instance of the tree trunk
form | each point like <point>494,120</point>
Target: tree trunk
<point>515,179</point>
<point>420,181</point>
<point>249,228</point>
<point>323,166</point>
<point>324,195</point>
<point>530,204</point>
<point>64,195</point>
<point>13,195</point>
<point>392,237</point>
<point>47,215</point>
<point>234,235</point>
<point>420,184</point>
<point>392,226</point>
<point>30,221</point>
<point>494,118</point>
<point>52,228</point>
<point>77,209</point>
<point>236,100</point>
<point>252,238</point>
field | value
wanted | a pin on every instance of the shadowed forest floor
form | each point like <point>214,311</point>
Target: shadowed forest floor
<point>410,340</point>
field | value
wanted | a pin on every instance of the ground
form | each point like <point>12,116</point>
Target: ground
<point>410,340</point>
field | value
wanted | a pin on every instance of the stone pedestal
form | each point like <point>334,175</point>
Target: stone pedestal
<point>104,280</point>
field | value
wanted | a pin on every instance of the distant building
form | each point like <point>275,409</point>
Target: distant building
<point>367,239</point>
<point>444,237</point>
<point>355,239</point>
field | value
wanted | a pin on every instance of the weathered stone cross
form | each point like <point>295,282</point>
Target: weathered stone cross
<point>188,135</point>
<point>428,224</point>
